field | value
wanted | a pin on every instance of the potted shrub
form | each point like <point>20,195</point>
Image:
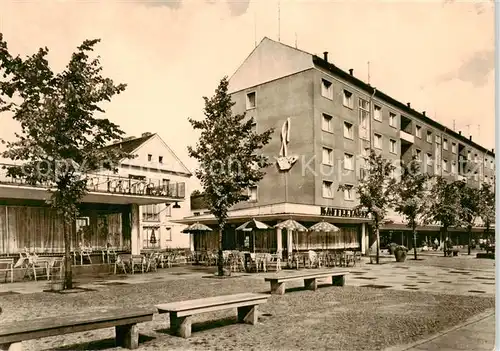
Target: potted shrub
<point>400,253</point>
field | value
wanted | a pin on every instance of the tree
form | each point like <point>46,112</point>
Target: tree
<point>227,156</point>
<point>60,138</point>
<point>411,199</point>
<point>487,206</point>
<point>376,192</point>
<point>444,207</point>
<point>469,208</point>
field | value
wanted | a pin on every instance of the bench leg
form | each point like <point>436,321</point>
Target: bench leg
<point>17,346</point>
<point>127,336</point>
<point>248,314</point>
<point>180,326</point>
<point>311,284</point>
<point>338,280</point>
<point>277,288</point>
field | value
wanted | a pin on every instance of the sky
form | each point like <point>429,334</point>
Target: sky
<point>438,55</point>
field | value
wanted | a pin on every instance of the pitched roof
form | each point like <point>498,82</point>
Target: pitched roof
<point>131,145</point>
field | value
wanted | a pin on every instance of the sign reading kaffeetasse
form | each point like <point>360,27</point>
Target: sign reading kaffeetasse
<point>340,212</point>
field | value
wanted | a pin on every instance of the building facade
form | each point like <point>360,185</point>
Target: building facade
<point>155,161</point>
<point>325,122</point>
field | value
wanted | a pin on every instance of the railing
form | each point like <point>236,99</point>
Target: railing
<point>111,184</point>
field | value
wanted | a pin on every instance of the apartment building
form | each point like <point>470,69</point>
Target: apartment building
<point>325,121</point>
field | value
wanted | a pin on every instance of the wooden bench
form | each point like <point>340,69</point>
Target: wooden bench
<point>310,280</point>
<point>124,320</point>
<point>181,312</point>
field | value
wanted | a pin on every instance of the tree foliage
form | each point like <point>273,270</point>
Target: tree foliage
<point>61,139</point>
<point>227,152</point>
<point>445,206</point>
<point>410,193</point>
<point>487,205</point>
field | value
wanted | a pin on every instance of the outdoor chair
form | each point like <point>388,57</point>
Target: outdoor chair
<point>152,262</point>
<point>121,263</point>
<point>55,264</point>
<point>137,261</point>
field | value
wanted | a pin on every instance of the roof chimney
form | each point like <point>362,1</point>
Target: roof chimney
<point>470,137</point>
<point>423,113</point>
<point>325,56</point>
<point>493,150</point>
<point>408,104</point>
<point>146,134</point>
<point>459,132</point>
<point>351,71</point>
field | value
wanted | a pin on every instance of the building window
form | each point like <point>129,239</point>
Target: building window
<point>377,113</point>
<point>492,164</point>
<point>476,176</point>
<point>251,101</point>
<point>418,154</point>
<point>254,127</point>
<point>418,132</point>
<point>392,146</point>
<point>151,237</point>
<point>160,159</point>
<point>445,165</point>
<point>349,192</point>
<point>454,167</point>
<point>327,189</point>
<point>476,158</point>
<point>486,180</point>
<point>392,120</point>
<point>438,139</point>
<point>348,99</point>
<point>454,148</point>
<point>348,130</point>
<point>469,157</point>
<point>327,124</point>
<point>364,113</point>
<point>429,137</point>
<point>326,89</point>
<point>252,193</point>
<point>327,156</point>
<point>151,213</point>
<point>348,162</point>
<point>429,159</point>
<point>150,157</point>
<point>445,144</point>
<point>377,141</point>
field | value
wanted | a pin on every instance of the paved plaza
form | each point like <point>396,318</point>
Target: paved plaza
<point>414,294</point>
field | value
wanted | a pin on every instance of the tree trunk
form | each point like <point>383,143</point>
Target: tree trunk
<point>220,259</point>
<point>377,233</point>
<point>414,230</point>
<point>68,273</point>
<point>469,234</point>
<point>444,232</point>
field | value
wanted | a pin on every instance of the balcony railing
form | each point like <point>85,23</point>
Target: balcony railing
<point>110,184</point>
<point>406,136</point>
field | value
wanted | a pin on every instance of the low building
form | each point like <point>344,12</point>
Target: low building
<point>120,210</point>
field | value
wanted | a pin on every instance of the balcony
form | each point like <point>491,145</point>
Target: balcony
<point>101,189</point>
<point>406,137</point>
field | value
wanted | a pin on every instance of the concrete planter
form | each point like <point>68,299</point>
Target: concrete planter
<point>400,255</point>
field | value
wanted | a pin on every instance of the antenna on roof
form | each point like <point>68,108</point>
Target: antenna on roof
<point>368,72</point>
<point>255,28</point>
<point>279,23</point>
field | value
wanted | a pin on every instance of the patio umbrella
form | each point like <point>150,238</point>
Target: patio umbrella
<point>197,227</point>
<point>324,227</point>
<point>292,225</point>
<point>252,225</point>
